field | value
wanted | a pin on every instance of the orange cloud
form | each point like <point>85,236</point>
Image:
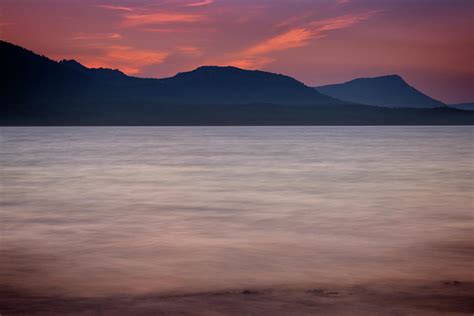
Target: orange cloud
<point>293,38</point>
<point>250,62</point>
<point>298,37</point>
<point>125,58</point>
<point>160,18</point>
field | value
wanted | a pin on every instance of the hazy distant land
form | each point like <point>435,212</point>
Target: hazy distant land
<point>463,106</point>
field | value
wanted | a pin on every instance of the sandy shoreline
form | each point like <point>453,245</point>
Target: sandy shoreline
<point>437,298</point>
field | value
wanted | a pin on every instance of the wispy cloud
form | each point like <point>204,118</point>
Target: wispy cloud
<point>296,37</point>
<point>341,22</point>
<point>298,31</point>
<point>115,7</point>
<point>189,50</point>
<point>160,18</point>
<point>201,3</point>
<point>158,29</point>
<point>290,39</point>
<point>301,36</point>
<point>128,59</point>
<point>97,36</point>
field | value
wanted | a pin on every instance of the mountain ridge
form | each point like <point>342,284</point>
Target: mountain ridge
<point>207,84</point>
<point>40,91</point>
<point>388,90</point>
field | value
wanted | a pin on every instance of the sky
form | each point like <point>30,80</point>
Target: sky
<point>430,43</point>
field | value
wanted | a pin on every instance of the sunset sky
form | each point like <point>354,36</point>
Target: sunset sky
<point>430,43</point>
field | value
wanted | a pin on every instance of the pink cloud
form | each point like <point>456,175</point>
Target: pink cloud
<point>158,30</point>
<point>160,18</point>
<point>190,50</point>
<point>115,7</point>
<point>98,36</point>
<point>201,3</point>
<point>340,22</point>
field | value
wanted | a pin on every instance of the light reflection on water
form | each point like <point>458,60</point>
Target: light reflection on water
<point>131,210</point>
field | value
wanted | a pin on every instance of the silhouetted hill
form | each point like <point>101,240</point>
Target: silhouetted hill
<point>99,73</point>
<point>230,85</point>
<point>28,78</point>
<point>389,91</point>
<point>463,106</point>
<point>44,79</point>
<point>38,91</point>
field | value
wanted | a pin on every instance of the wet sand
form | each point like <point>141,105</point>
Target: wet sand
<point>450,297</point>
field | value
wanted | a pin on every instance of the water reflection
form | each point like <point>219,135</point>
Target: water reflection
<point>102,211</point>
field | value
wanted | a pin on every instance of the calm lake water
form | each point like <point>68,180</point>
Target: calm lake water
<point>135,210</point>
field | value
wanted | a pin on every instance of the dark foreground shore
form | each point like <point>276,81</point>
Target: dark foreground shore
<point>440,298</point>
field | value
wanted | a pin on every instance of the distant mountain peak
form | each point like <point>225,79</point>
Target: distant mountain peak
<point>223,70</point>
<point>73,64</point>
<point>70,62</point>
<point>393,78</point>
<point>217,68</point>
<point>77,66</point>
<point>209,70</point>
<point>97,72</point>
<point>389,90</point>
<point>231,73</point>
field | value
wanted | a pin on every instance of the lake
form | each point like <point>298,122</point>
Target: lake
<point>100,211</point>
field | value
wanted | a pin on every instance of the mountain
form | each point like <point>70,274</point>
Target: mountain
<point>47,80</point>
<point>99,73</point>
<point>231,85</point>
<point>389,91</point>
<point>38,91</point>
<point>463,106</point>
<point>28,78</point>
